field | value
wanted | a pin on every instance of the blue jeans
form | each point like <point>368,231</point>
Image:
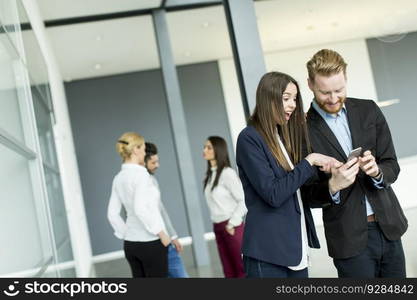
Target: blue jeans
<point>255,268</point>
<point>176,268</point>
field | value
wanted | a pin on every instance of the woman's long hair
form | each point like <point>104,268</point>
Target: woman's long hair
<point>221,156</point>
<point>270,109</point>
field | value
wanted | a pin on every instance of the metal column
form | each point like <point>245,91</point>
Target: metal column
<point>247,49</point>
<point>181,140</point>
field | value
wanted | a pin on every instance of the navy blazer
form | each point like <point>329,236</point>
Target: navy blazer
<point>273,226</point>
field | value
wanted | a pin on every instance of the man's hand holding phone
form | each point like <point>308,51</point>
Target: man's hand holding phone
<point>343,175</point>
<point>369,166</point>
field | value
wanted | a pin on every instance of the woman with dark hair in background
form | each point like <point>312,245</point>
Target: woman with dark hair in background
<point>225,199</point>
<point>273,164</point>
<point>143,232</point>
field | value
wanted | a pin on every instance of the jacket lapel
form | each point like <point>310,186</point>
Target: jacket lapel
<point>319,124</point>
<point>354,121</point>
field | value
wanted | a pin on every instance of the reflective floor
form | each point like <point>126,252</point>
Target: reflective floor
<point>321,265</point>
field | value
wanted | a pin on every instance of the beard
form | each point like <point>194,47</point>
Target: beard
<point>332,110</point>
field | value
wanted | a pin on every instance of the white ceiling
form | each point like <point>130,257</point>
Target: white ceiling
<point>62,9</point>
<point>124,45</point>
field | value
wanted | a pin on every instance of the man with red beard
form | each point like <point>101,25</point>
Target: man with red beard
<point>363,219</point>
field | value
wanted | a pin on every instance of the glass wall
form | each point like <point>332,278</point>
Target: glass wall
<point>32,206</point>
<point>43,108</point>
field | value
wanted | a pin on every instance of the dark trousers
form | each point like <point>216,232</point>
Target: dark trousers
<point>147,259</point>
<point>229,247</point>
<point>381,258</point>
<point>255,268</point>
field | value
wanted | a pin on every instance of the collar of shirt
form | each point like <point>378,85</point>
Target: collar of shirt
<point>326,115</point>
<point>339,125</point>
<point>132,166</point>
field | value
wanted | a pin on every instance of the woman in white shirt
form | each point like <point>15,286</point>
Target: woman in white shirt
<point>143,231</point>
<point>225,199</point>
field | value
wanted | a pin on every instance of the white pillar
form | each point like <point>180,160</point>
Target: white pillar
<point>232,98</point>
<point>74,203</point>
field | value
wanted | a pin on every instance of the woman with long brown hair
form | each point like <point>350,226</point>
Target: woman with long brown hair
<point>225,199</point>
<point>273,160</point>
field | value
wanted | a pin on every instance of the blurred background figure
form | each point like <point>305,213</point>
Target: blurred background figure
<point>143,232</point>
<point>225,199</point>
<point>176,267</point>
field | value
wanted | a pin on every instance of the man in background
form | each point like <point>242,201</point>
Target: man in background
<point>176,267</point>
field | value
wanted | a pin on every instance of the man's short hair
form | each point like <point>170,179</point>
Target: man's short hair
<point>326,62</point>
<point>150,150</point>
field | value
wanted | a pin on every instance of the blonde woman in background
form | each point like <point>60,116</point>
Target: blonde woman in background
<point>143,232</point>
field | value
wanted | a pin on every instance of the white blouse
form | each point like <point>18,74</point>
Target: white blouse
<point>304,263</point>
<point>133,188</point>
<point>226,200</point>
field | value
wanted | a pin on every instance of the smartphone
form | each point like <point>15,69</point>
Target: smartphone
<point>355,153</point>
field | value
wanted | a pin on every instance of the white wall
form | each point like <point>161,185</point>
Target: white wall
<point>403,187</point>
<point>232,98</point>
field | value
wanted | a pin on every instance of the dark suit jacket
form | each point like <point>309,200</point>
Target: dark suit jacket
<point>272,227</point>
<point>345,224</point>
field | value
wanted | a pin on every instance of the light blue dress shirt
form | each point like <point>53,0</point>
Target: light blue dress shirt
<point>339,125</point>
